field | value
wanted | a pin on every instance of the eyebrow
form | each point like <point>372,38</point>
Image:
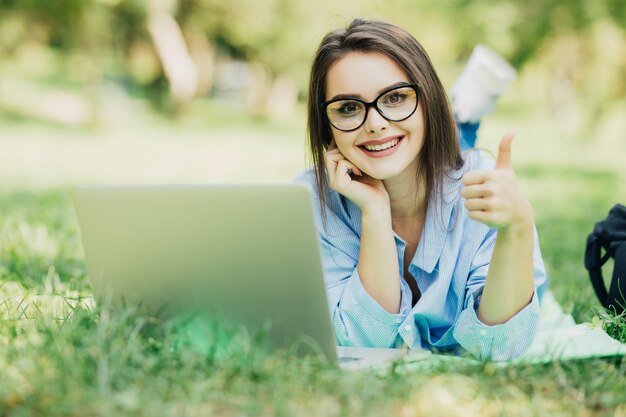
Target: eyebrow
<point>345,96</point>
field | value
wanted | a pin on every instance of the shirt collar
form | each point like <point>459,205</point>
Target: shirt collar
<point>437,225</point>
<point>439,219</point>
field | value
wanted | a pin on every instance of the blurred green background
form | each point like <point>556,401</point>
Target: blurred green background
<point>207,90</point>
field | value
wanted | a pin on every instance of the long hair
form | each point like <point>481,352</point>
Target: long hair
<point>440,153</point>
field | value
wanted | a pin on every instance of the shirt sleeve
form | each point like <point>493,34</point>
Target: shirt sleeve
<point>506,340</point>
<point>358,319</point>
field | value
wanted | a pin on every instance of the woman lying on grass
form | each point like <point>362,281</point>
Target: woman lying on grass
<point>422,245</point>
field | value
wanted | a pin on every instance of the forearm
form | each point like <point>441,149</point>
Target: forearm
<point>378,260</point>
<point>510,280</point>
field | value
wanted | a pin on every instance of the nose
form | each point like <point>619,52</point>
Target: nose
<point>374,121</point>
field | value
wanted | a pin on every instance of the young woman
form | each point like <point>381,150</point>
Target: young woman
<point>422,246</point>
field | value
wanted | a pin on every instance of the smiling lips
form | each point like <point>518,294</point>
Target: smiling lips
<point>381,148</point>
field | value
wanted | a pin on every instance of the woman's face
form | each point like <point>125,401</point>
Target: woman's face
<point>365,76</point>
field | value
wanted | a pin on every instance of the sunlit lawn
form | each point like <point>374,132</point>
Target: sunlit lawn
<point>60,355</point>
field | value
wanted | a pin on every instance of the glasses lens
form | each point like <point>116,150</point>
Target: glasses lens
<point>398,104</point>
<point>346,114</point>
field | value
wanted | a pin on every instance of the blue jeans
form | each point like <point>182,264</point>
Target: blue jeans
<point>467,134</point>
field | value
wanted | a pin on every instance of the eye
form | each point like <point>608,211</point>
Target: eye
<point>398,97</point>
<point>347,108</point>
<point>394,97</point>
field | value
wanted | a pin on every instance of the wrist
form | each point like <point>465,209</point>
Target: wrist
<point>377,208</point>
<point>522,230</point>
<point>376,214</point>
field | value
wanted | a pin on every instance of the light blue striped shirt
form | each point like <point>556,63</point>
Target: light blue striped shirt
<point>450,267</point>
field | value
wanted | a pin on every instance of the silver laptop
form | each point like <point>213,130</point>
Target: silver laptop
<point>243,254</point>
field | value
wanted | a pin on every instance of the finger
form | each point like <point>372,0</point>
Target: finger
<point>331,157</point>
<point>481,216</point>
<point>476,191</point>
<point>474,204</point>
<point>482,204</point>
<point>356,170</point>
<point>331,161</point>
<point>504,152</point>
<point>475,177</point>
<point>343,169</point>
<point>497,219</point>
<point>334,154</point>
<point>350,167</point>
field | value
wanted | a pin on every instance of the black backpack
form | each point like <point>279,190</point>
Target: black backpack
<point>609,234</point>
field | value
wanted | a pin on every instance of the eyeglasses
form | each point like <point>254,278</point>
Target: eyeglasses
<point>395,104</point>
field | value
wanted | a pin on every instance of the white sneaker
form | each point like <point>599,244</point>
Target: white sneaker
<point>483,80</point>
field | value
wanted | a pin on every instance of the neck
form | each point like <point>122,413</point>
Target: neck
<point>406,195</point>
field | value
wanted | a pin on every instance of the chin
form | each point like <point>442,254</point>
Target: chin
<point>382,175</point>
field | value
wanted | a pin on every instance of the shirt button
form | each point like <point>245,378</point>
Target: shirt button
<point>483,332</point>
<point>407,327</point>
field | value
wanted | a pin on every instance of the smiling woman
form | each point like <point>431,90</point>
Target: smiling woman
<point>372,151</point>
<point>423,246</point>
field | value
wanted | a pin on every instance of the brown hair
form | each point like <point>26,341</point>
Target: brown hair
<point>440,153</point>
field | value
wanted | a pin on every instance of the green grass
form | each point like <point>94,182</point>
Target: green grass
<point>60,355</point>
<point>567,202</point>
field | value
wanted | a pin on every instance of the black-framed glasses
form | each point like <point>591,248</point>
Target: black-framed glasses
<point>395,104</point>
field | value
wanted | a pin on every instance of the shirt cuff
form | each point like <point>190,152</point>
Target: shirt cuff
<point>498,342</point>
<point>367,323</point>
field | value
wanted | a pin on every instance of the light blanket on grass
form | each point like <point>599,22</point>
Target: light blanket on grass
<point>559,339</point>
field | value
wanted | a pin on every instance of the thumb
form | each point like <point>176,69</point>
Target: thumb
<point>504,152</point>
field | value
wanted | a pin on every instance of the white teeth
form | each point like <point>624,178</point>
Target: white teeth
<point>382,147</point>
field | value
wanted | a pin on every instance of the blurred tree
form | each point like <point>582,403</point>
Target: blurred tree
<point>55,18</point>
<point>277,38</point>
<point>268,34</point>
<point>617,10</point>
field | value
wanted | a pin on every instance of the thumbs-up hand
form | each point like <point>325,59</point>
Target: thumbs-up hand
<point>504,152</point>
<point>494,197</point>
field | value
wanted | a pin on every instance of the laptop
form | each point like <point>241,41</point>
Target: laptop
<point>243,254</point>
